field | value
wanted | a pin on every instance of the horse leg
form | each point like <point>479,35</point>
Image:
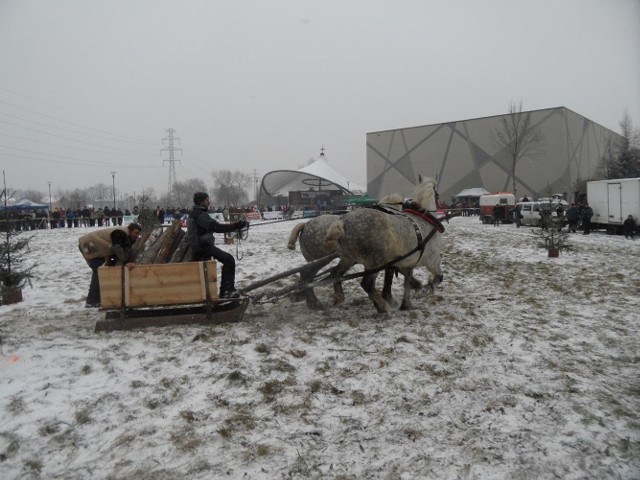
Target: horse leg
<point>309,295</point>
<point>406,297</point>
<point>435,281</point>
<point>337,272</point>
<point>369,285</point>
<point>386,289</point>
<point>415,283</point>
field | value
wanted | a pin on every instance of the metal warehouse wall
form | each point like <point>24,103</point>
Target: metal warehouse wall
<point>461,155</point>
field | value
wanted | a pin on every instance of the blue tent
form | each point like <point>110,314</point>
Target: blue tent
<point>25,204</point>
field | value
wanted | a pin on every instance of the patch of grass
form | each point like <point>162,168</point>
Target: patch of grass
<point>82,416</point>
<point>16,405</point>
<point>358,398</point>
<point>434,370</point>
<point>186,439</point>
<point>289,408</point>
<point>263,348</point>
<point>271,389</point>
<point>49,428</point>
<point>237,377</point>
<point>481,340</point>
<point>323,367</point>
<point>412,434</point>
<point>13,445</point>
<point>33,465</point>
<point>263,450</point>
<point>316,386</point>
<point>242,421</point>
<point>281,365</point>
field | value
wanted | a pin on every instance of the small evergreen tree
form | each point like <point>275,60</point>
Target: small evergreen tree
<point>13,275</point>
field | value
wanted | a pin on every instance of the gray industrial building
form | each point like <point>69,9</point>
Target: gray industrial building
<point>462,155</point>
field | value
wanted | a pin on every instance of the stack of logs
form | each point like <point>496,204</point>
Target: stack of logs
<point>163,245</point>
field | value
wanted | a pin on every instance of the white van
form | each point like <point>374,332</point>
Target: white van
<point>530,211</point>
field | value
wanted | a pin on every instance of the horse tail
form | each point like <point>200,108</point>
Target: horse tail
<point>293,237</point>
<point>335,232</point>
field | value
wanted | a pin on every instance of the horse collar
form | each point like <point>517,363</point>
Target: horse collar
<point>427,216</point>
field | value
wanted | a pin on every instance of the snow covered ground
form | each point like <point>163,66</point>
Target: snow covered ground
<point>518,367</point>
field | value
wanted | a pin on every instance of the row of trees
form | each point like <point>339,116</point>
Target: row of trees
<point>229,189</point>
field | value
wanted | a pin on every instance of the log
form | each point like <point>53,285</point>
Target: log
<point>167,242</point>
<point>152,247</point>
<point>146,240</point>
<point>181,251</point>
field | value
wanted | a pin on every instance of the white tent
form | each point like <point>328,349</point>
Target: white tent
<point>472,192</point>
<point>25,204</point>
<point>317,176</point>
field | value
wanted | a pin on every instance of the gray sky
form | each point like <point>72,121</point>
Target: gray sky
<point>88,87</point>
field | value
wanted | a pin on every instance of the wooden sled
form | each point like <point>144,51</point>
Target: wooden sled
<point>164,294</point>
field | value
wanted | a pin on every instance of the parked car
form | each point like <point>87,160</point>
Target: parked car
<point>531,211</point>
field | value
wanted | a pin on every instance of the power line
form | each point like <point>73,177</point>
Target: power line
<point>62,136</point>
<point>76,148</point>
<point>82,162</point>
<point>125,139</point>
<point>67,100</point>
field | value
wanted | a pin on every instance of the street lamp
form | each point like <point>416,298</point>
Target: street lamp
<point>49,195</point>
<point>113,177</point>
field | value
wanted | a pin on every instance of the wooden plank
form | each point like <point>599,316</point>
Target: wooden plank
<point>157,284</point>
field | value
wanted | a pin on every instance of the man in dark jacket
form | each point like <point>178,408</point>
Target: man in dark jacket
<point>629,227</point>
<point>200,229</point>
<point>585,214</point>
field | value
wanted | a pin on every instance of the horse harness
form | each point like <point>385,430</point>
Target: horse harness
<point>409,211</point>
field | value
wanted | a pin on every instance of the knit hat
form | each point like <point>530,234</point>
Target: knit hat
<point>199,197</point>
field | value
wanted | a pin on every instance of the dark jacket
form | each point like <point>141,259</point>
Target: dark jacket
<point>201,227</point>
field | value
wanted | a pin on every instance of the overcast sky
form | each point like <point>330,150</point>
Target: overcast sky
<point>88,87</point>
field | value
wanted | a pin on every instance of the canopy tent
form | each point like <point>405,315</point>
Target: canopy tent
<point>472,192</point>
<point>25,204</point>
<point>360,200</point>
<point>317,176</point>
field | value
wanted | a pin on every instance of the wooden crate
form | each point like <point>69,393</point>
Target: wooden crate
<point>158,284</point>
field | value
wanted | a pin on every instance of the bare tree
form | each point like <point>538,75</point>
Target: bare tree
<point>230,188</point>
<point>183,192</point>
<point>517,137</point>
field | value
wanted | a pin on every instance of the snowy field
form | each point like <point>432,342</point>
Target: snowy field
<point>518,367</point>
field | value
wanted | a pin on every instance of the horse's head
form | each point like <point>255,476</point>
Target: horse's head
<point>425,194</point>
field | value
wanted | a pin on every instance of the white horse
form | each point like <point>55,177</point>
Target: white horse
<point>311,236</point>
<point>379,240</point>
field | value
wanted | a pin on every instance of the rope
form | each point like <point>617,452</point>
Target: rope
<point>240,235</point>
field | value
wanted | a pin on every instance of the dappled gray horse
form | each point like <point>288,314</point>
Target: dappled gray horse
<point>376,239</point>
<point>312,234</point>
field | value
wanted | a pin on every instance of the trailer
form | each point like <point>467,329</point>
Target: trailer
<point>506,202</point>
<point>612,201</point>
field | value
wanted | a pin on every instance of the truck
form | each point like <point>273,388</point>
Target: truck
<point>612,201</point>
<point>506,202</point>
